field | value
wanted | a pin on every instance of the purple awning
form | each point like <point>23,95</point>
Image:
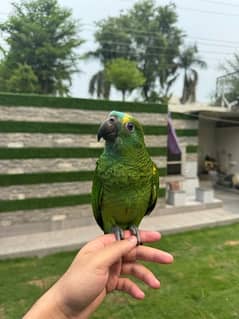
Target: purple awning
<point>173,144</point>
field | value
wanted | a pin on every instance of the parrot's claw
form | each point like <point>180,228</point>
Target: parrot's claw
<point>119,233</point>
<point>135,231</point>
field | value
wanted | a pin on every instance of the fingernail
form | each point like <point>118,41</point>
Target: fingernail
<point>157,282</point>
<point>141,295</point>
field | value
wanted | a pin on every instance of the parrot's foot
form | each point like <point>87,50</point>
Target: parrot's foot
<point>119,233</point>
<point>135,231</point>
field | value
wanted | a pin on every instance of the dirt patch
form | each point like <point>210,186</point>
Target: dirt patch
<point>231,243</point>
<point>219,278</point>
<point>43,283</point>
<point>117,298</point>
<point>2,313</point>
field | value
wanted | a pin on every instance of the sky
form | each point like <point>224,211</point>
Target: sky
<point>212,24</point>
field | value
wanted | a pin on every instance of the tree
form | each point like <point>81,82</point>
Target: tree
<point>148,35</point>
<point>187,60</point>
<point>114,41</point>
<point>124,75</point>
<point>23,80</point>
<point>158,40</point>
<point>100,85</point>
<point>231,78</point>
<point>44,36</point>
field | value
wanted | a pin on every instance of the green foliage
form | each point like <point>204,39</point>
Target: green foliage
<point>23,80</point>
<point>47,152</point>
<point>43,36</point>
<point>100,85</point>
<point>231,83</point>
<point>114,39</point>
<point>201,283</point>
<point>76,103</point>
<point>124,75</point>
<point>63,152</point>
<point>52,177</point>
<point>47,127</point>
<point>187,132</point>
<point>43,202</point>
<point>65,128</point>
<point>162,171</point>
<point>187,61</point>
<point>162,192</point>
<point>114,42</point>
<point>46,178</point>
<point>147,34</point>
<point>158,39</point>
<point>192,149</point>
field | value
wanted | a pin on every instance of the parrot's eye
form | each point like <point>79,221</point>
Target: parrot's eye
<point>130,127</point>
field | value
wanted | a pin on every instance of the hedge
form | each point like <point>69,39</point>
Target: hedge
<point>43,203</point>
<point>52,177</point>
<point>192,149</point>
<point>63,152</point>
<point>187,132</point>
<point>65,128</point>
<point>7,99</point>
<point>50,202</point>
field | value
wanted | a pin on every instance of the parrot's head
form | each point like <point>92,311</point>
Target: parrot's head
<point>121,130</point>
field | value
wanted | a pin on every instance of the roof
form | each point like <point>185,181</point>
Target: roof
<point>197,107</point>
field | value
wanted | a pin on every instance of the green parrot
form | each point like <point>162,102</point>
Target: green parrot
<point>126,180</point>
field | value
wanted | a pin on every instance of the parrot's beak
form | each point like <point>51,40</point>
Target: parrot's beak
<point>108,129</point>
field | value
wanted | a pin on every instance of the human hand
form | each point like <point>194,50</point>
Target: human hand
<point>97,270</point>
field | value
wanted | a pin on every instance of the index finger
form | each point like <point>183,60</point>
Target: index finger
<point>146,237</point>
<point>105,240</point>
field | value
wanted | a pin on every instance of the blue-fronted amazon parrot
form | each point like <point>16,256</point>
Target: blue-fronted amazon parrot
<point>126,180</point>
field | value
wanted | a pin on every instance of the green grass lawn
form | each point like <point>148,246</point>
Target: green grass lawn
<point>202,283</point>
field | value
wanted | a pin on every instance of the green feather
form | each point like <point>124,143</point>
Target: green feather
<point>126,180</point>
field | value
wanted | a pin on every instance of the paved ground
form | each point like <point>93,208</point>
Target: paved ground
<point>68,239</point>
<point>43,243</point>
<point>229,197</point>
<point>230,200</point>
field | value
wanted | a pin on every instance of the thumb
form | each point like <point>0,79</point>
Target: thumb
<point>113,252</point>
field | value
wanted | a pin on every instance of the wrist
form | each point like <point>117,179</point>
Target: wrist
<point>48,306</point>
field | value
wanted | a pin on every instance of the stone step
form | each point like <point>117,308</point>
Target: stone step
<point>56,219</point>
<point>44,243</point>
<point>191,206</point>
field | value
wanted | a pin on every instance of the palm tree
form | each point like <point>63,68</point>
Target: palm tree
<point>100,85</point>
<point>187,60</point>
<point>113,42</point>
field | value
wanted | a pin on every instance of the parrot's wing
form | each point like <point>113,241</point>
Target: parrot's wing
<point>154,189</point>
<point>97,193</point>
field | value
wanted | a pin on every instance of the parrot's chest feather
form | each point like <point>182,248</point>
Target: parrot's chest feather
<point>126,189</point>
<point>123,175</point>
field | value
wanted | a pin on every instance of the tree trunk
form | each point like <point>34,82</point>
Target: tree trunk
<point>145,92</point>
<point>184,97</point>
<point>123,95</point>
<point>194,82</point>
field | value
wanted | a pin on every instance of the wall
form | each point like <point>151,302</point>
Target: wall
<point>220,143</point>
<point>186,127</point>
<point>207,138</point>
<point>48,151</point>
<point>227,148</point>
